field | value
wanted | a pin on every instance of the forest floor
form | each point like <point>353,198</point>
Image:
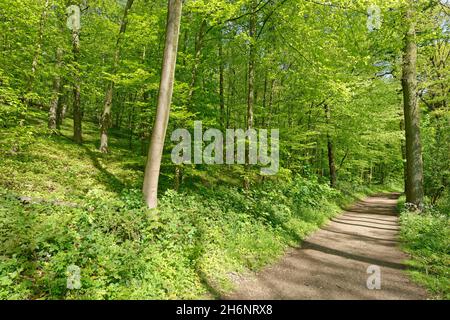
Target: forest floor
<point>333,262</point>
<point>63,204</point>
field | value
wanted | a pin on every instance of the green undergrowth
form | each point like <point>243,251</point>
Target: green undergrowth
<point>62,204</point>
<point>426,237</point>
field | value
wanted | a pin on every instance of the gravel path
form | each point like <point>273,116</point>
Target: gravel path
<point>333,262</point>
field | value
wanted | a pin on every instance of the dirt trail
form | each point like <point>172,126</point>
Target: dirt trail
<point>333,262</point>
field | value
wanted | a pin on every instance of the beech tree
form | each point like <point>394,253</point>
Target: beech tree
<point>75,25</point>
<point>414,162</point>
<point>53,110</point>
<point>105,122</point>
<point>151,176</point>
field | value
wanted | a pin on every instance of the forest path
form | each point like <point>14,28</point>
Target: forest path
<point>332,263</point>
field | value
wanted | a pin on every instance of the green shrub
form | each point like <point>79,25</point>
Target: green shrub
<point>427,238</point>
<point>90,214</point>
<point>182,250</point>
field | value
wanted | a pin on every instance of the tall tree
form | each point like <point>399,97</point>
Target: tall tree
<point>251,65</point>
<point>198,51</point>
<point>330,147</point>
<point>38,47</point>
<point>74,21</point>
<point>105,122</point>
<point>414,162</point>
<point>151,176</point>
<point>251,80</point>
<point>221,83</point>
<point>52,113</point>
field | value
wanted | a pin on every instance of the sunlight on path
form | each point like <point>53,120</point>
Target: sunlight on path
<point>333,262</point>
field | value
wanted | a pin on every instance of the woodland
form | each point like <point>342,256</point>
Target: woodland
<point>91,91</point>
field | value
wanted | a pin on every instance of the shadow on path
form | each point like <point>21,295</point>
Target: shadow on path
<point>333,262</point>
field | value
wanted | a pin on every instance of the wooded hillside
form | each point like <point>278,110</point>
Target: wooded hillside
<point>92,90</point>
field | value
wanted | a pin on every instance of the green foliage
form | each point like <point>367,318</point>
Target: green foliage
<point>436,126</point>
<point>12,110</point>
<point>427,238</point>
<point>126,251</point>
<point>78,212</point>
<point>87,209</point>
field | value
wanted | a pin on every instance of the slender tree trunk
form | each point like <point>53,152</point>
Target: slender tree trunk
<point>144,54</point>
<point>38,48</point>
<point>403,150</point>
<point>251,80</point>
<point>322,169</point>
<point>131,125</point>
<point>264,101</point>
<point>269,116</point>
<point>52,113</point>
<point>177,178</point>
<point>185,42</point>
<point>198,51</point>
<point>62,106</point>
<point>151,176</point>
<point>221,85</point>
<point>251,69</point>
<point>105,122</point>
<point>77,110</point>
<point>331,161</point>
<point>382,173</point>
<point>414,162</point>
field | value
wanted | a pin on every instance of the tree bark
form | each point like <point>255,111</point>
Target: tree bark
<point>221,86</point>
<point>38,48</point>
<point>264,101</point>
<point>198,51</point>
<point>77,111</point>
<point>52,113</point>
<point>403,150</point>
<point>414,162</point>
<point>251,68</point>
<point>105,122</point>
<point>269,116</point>
<point>331,161</point>
<point>151,176</point>
<point>62,107</point>
<point>251,85</point>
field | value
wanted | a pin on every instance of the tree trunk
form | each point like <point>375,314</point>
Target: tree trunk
<point>264,102</point>
<point>62,107</point>
<point>151,176</point>
<point>230,98</point>
<point>77,111</point>
<point>403,150</point>
<point>414,162</point>
<point>251,68</point>
<point>131,127</point>
<point>269,116</point>
<point>221,86</point>
<point>251,85</point>
<point>105,122</point>
<point>198,51</point>
<point>76,89</point>
<point>331,162</point>
<point>52,113</point>
<point>38,48</point>
<point>177,178</point>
